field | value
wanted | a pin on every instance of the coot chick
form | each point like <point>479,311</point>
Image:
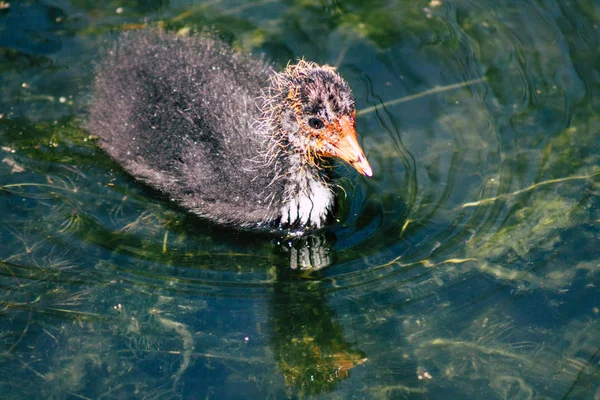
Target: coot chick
<point>221,133</point>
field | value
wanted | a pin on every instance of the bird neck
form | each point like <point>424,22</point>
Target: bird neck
<point>308,198</point>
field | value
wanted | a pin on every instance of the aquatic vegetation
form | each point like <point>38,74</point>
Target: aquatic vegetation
<point>467,267</point>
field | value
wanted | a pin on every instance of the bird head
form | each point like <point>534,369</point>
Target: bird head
<point>314,112</point>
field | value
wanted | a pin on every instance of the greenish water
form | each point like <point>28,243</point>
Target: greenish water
<point>467,267</point>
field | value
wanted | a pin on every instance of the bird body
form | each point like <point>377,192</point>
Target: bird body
<point>219,131</point>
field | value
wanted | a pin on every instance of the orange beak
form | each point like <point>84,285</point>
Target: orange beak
<point>348,149</point>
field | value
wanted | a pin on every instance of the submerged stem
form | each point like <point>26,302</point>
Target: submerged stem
<point>415,96</point>
<point>515,193</point>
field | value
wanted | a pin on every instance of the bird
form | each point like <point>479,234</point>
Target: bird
<point>222,133</point>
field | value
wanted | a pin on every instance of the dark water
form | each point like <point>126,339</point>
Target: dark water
<point>467,267</point>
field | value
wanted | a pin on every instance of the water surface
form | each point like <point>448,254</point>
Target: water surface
<point>467,267</point>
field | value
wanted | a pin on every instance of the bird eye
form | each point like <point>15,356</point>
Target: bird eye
<point>315,123</point>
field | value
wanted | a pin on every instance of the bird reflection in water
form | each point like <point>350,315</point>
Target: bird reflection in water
<point>309,343</point>
<point>307,253</point>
